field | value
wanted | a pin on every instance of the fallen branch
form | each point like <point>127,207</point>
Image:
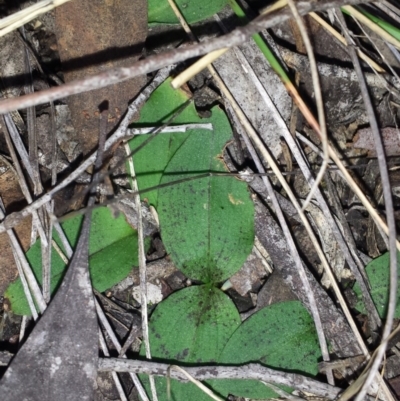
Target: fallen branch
<point>153,63</point>
<point>251,371</point>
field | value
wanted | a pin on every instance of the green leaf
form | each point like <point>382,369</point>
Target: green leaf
<point>378,272</point>
<point>151,160</point>
<point>190,326</point>
<point>160,12</point>
<point>280,336</point>
<point>207,224</point>
<point>112,249</point>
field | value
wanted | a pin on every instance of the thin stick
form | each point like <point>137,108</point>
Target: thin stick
<point>196,382</point>
<point>103,131</point>
<point>114,375</point>
<point>352,390</point>
<point>19,146</point>
<point>281,393</point>
<point>142,268</point>
<point>117,346</point>
<point>197,67</point>
<point>25,320</point>
<point>250,371</point>
<point>46,251</point>
<point>355,188</point>
<point>52,132</point>
<point>341,39</point>
<point>25,285</point>
<point>387,192</point>
<point>183,22</point>
<point>371,25</point>
<point>116,137</point>
<point>385,7</point>
<point>381,55</point>
<point>156,62</point>
<point>14,21</point>
<point>39,218</point>
<point>11,135</point>
<point>60,253</point>
<point>64,240</point>
<point>169,129</point>
<point>208,59</point>
<point>318,98</point>
<point>25,271</point>
<point>31,124</point>
<point>33,285</point>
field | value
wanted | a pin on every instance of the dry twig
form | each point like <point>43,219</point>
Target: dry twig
<point>250,371</point>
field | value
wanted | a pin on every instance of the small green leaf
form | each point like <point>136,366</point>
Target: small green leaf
<point>378,272</point>
<point>112,249</point>
<point>160,12</point>
<point>207,224</point>
<point>280,336</point>
<point>151,160</point>
<point>191,326</point>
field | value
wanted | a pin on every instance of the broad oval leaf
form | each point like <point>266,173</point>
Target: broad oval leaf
<point>281,336</point>
<point>160,12</point>
<point>207,224</point>
<point>214,215</point>
<point>112,254</point>
<point>151,160</point>
<point>191,326</point>
<point>378,272</point>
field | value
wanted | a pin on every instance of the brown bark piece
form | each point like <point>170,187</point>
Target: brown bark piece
<point>93,36</point>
